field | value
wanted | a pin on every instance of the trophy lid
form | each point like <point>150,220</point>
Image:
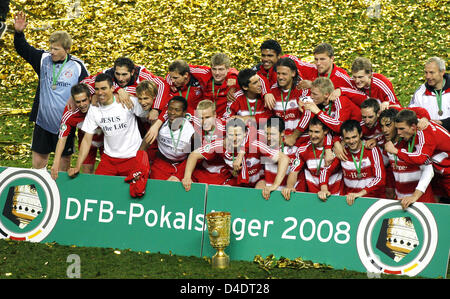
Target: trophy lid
<point>218,214</point>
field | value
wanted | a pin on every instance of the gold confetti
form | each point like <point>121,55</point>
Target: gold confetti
<point>270,262</point>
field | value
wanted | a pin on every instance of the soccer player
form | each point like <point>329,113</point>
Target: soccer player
<point>122,139</point>
<point>287,97</point>
<point>363,172</point>
<point>430,145</point>
<point>434,94</point>
<point>126,75</point>
<point>183,83</point>
<point>208,129</point>
<point>71,120</point>
<point>249,103</point>
<point>323,66</point>
<point>373,85</point>
<point>175,141</point>
<point>146,92</point>
<point>58,71</point>
<point>219,82</point>
<point>331,113</point>
<point>227,149</point>
<point>275,172</point>
<point>310,158</point>
<point>270,54</point>
<point>411,182</point>
<point>372,133</point>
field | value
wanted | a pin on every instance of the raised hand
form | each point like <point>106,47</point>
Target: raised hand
<point>20,21</point>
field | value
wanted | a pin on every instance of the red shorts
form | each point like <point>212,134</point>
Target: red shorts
<point>152,152</point>
<point>162,169</point>
<point>115,166</point>
<point>92,155</point>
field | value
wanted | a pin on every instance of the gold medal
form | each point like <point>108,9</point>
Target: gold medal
<point>53,86</point>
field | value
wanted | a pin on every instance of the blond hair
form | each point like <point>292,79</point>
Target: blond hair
<point>61,37</point>
<point>220,59</point>
<point>324,84</point>
<point>205,104</point>
<point>147,86</point>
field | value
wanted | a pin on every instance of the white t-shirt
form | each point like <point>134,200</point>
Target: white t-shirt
<point>175,147</point>
<point>119,125</point>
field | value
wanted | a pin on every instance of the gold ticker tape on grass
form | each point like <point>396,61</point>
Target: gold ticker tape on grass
<point>270,262</point>
<point>397,38</point>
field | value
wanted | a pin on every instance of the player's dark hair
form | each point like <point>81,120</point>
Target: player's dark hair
<point>371,103</point>
<point>181,100</point>
<point>316,121</point>
<point>80,88</point>
<point>350,125</point>
<point>408,116</point>
<point>390,113</point>
<point>104,77</point>
<point>244,77</point>
<point>271,44</point>
<point>288,62</point>
<point>180,66</point>
<point>276,122</point>
<point>124,61</point>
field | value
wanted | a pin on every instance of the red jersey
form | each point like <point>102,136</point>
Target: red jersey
<point>213,91</point>
<point>380,88</point>
<point>372,173</point>
<point>338,111</point>
<point>309,71</point>
<point>74,119</point>
<point>192,92</point>
<point>286,107</point>
<point>408,177</point>
<point>311,159</point>
<point>244,106</point>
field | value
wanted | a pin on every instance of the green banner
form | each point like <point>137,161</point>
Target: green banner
<point>372,235</point>
<point>98,211</point>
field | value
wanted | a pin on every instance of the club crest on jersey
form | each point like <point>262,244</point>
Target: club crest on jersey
<point>296,162</point>
<point>63,128</point>
<point>68,74</point>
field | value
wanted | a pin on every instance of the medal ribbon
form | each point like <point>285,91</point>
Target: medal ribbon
<point>287,100</point>
<point>55,79</point>
<point>411,143</point>
<point>187,93</point>
<point>439,97</point>
<point>315,157</point>
<point>358,167</point>
<point>249,108</point>
<point>175,145</point>
<point>214,95</point>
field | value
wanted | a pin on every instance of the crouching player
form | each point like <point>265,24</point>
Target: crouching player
<point>71,120</point>
<point>411,182</point>
<point>275,172</point>
<point>175,141</point>
<point>320,178</point>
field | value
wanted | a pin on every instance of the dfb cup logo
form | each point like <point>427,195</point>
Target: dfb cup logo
<point>29,204</point>
<point>391,244</point>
